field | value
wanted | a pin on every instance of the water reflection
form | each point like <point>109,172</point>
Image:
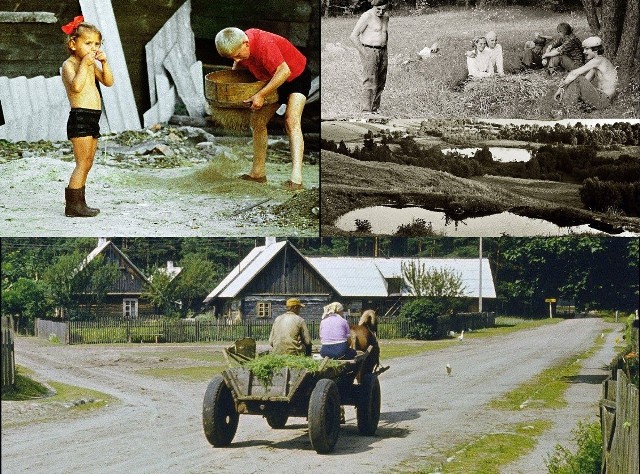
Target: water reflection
<point>386,220</point>
<point>499,153</point>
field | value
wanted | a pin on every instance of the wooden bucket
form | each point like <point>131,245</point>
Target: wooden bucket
<point>230,87</point>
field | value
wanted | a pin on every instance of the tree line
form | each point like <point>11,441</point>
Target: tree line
<point>607,183</point>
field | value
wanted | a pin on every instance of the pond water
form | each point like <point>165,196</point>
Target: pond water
<point>501,154</point>
<point>386,220</point>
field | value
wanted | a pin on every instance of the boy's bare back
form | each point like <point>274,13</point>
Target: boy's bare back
<point>605,76</point>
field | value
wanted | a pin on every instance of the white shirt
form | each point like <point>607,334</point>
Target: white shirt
<point>497,60</point>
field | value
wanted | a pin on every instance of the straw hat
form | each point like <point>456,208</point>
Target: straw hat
<point>293,302</point>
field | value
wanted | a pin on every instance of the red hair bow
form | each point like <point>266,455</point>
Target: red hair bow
<point>72,25</point>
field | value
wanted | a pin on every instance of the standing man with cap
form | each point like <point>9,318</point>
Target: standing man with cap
<point>370,37</point>
<point>595,82</point>
<point>289,334</point>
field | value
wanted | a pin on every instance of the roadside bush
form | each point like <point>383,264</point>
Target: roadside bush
<point>422,314</point>
<point>588,457</point>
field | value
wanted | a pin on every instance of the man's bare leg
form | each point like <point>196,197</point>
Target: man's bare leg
<point>293,124</point>
<point>259,120</point>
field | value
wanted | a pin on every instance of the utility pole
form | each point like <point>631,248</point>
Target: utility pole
<point>480,279</point>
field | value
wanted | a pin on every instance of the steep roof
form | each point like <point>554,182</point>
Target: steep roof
<point>103,244</point>
<point>243,273</point>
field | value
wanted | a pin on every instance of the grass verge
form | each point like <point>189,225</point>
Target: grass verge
<point>488,453</point>
<point>546,390</point>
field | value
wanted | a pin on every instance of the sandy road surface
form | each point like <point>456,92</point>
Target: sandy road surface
<point>157,426</point>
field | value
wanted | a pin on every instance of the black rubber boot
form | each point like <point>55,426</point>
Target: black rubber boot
<point>75,206</point>
<point>84,201</point>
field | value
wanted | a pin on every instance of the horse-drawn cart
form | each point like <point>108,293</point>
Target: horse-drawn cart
<point>316,395</point>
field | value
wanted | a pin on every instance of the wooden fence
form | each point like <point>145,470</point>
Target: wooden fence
<point>8,353</point>
<point>46,329</point>
<point>619,422</point>
<point>106,331</point>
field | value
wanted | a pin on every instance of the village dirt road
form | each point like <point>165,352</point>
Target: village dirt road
<point>175,181</point>
<point>156,426</point>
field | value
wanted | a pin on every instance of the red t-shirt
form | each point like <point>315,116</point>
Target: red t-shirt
<point>268,51</point>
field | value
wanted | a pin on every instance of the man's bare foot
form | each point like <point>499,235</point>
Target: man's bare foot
<point>248,177</point>
<point>291,186</point>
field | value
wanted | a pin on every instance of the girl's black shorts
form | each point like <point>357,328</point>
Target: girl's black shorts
<point>83,123</point>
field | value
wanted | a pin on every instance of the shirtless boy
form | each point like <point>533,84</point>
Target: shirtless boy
<point>595,82</point>
<point>79,75</point>
<point>370,37</point>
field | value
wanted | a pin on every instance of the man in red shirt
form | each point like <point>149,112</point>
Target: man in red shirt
<point>273,59</point>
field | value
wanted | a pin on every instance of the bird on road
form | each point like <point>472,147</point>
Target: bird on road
<point>461,336</point>
<point>452,333</point>
<point>602,336</point>
<point>448,369</point>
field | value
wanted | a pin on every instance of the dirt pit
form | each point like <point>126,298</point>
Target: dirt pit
<point>168,180</point>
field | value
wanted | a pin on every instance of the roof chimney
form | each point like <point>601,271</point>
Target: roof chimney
<point>102,241</point>
<point>169,265</point>
<point>269,240</point>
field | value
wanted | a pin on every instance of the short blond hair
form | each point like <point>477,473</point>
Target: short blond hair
<point>229,40</point>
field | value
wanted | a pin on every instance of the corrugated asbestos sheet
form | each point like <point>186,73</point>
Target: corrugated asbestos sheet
<point>33,108</point>
<point>248,268</point>
<point>118,100</point>
<point>171,52</point>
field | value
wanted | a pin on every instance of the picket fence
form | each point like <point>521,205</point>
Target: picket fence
<point>107,331</point>
<point>8,353</point>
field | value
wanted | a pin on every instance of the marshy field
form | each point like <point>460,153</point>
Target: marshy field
<point>423,87</point>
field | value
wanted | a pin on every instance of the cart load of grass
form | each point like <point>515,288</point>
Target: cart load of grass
<point>501,96</point>
<point>265,366</point>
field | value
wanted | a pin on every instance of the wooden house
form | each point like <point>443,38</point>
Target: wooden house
<point>260,285</point>
<point>32,47</point>
<point>124,297</point>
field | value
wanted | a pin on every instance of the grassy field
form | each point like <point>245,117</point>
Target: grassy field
<point>422,88</point>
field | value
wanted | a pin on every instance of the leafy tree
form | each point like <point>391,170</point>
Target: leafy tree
<point>618,23</point>
<point>441,283</point>
<point>25,300</point>
<point>160,292</point>
<point>196,280</point>
<point>72,283</point>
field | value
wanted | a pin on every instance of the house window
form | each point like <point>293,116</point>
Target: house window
<point>263,309</point>
<point>130,308</point>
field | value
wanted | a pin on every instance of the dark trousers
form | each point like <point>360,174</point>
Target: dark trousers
<point>374,73</point>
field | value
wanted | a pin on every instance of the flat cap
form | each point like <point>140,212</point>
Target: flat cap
<point>592,42</point>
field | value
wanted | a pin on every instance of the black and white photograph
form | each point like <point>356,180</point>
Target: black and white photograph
<point>480,177</point>
<point>544,60</point>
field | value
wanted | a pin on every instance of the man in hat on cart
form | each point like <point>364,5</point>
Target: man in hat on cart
<point>289,334</point>
<point>594,83</point>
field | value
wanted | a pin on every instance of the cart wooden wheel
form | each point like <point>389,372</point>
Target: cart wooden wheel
<point>368,407</point>
<point>324,416</point>
<point>277,420</point>
<point>219,415</point>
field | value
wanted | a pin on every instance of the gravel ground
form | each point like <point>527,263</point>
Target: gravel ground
<point>156,425</point>
<point>168,181</point>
